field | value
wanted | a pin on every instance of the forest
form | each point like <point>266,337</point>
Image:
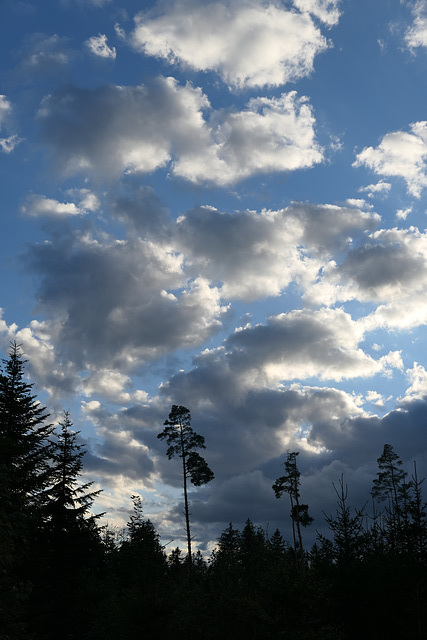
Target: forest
<point>65,575</point>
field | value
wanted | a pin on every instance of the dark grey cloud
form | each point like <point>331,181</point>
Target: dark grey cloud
<point>120,302</point>
<point>140,210</point>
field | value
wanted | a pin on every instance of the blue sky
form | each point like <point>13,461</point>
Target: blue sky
<point>220,205</point>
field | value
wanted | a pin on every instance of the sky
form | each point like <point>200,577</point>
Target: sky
<point>220,205</point>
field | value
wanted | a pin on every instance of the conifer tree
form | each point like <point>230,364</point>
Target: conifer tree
<point>289,483</point>
<point>390,487</point>
<point>25,448</point>
<point>70,502</point>
<point>25,476</point>
<point>349,536</point>
<point>183,441</point>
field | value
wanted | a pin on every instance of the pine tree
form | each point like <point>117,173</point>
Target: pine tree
<point>289,483</point>
<point>183,441</point>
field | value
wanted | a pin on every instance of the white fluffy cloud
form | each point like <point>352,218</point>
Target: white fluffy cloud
<point>99,47</point>
<point>272,134</point>
<point>141,129</point>
<point>416,35</point>
<point>400,154</point>
<point>379,188</point>
<point>249,44</point>
<point>39,205</point>
<point>325,10</point>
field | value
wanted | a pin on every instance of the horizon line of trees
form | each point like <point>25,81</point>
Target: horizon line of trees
<point>65,575</point>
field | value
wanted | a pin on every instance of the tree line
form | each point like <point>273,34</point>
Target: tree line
<point>64,575</point>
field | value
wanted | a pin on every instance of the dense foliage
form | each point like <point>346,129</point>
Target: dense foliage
<point>62,576</point>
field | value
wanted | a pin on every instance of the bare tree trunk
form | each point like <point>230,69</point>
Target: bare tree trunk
<point>186,509</point>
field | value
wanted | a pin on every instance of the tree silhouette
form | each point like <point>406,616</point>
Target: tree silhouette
<point>289,483</point>
<point>25,476</point>
<point>183,441</point>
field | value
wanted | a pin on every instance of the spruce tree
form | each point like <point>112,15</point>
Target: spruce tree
<point>25,475</point>
<point>25,447</point>
<point>70,502</point>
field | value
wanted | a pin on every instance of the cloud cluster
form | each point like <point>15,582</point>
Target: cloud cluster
<point>39,205</point>
<point>255,255</point>
<point>99,47</point>
<point>6,144</point>
<point>248,44</point>
<point>121,302</point>
<point>400,154</point>
<point>390,267</point>
<point>140,129</point>
<point>416,35</point>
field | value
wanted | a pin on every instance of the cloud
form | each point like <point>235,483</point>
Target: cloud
<point>272,134</point>
<point>44,54</point>
<point>325,10</point>
<point>7,145</point>
<point>5,109</point>
<point>416,35</point>
<point>140,129</point>
<point>400,154</point>
<point>249,44</point>
<point>391,267</point>
<point>255,255</point>
<point>99,47</point>
<point>141,211</point>
<point>116,303</point>
<point>304,344</point>
<point>132,129</point>
<point>39,205</point>
<point>58,378</point>
<point>373,190</point>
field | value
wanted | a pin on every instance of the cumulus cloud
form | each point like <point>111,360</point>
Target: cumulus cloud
<point>249,44</point>
<point>120,302</point>
<point>99,47</point>
<point>325,10</point>
<point>303,344</point>
<point>141,129</point>
<point>400,154</point>
<point>56,377</point>
<point>416,35</point>
<point>391,267</point>
<point>272,134</point>
<point>379,188</point>
<point>39,205</point>
<point>254,255</point>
